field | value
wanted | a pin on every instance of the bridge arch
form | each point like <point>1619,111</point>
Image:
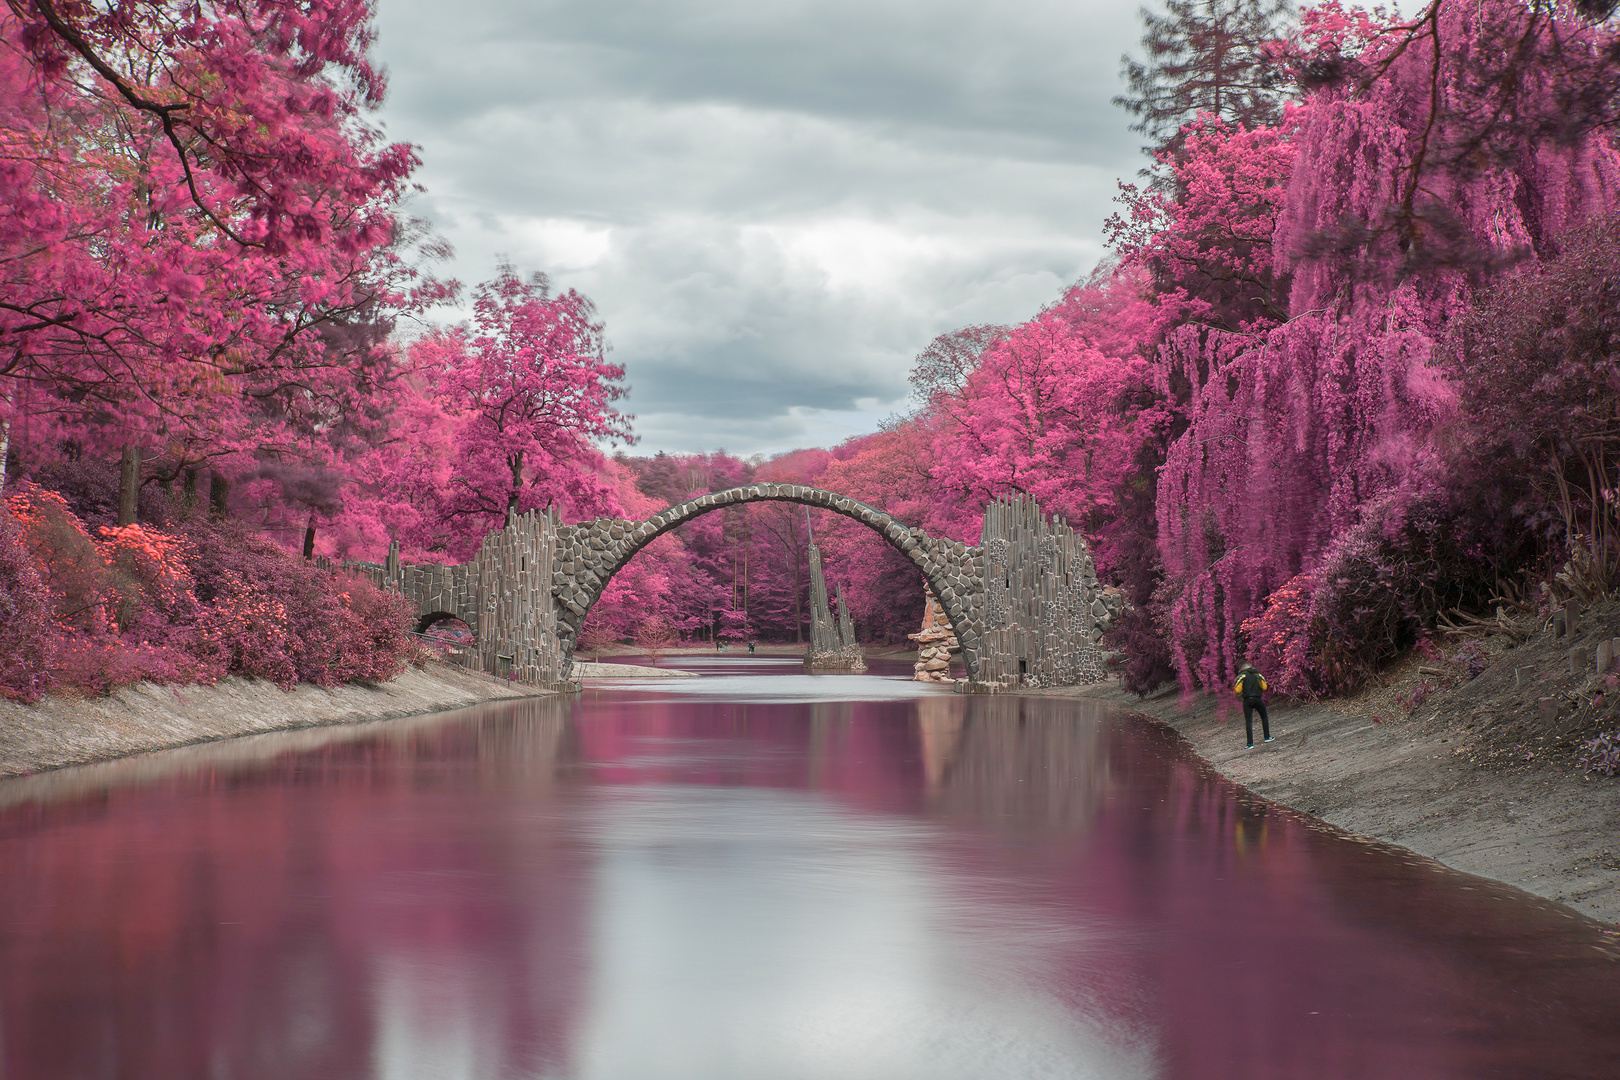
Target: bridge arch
<point>590,553</point>
<point>429,619</point>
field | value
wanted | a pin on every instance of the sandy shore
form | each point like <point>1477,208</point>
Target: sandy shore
<point>62,731</point>
<point>1546,830</point>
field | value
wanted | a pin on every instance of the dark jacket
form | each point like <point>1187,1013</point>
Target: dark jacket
<point>1250,686</point>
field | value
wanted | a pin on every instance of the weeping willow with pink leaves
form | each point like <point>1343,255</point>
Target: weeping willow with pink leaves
<point>1295,434</point>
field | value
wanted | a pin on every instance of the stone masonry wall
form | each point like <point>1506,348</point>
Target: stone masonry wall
<point>529,590</point>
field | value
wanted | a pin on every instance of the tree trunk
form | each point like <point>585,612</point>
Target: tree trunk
<point>515,461</point>
<point>188,490</point>
<point>219,495</point>
<point>5,444</point>
<point>309,537</point>
<point>798,606</point>
<point>129,485</point>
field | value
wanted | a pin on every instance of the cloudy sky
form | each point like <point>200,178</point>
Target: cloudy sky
<point>775,204</point>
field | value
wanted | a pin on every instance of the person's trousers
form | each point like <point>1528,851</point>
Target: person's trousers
<point>1249,709</point>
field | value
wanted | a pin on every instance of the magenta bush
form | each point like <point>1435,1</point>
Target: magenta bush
<point>1376,590</point>
<point>272,616</point>
<point>28,636</point>
<point>193,605</point>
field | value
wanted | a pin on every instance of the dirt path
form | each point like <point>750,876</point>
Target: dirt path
<point>1543,827</point>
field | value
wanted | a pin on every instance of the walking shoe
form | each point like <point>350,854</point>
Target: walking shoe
<point>1266,739</point>
<point>1249,747</point>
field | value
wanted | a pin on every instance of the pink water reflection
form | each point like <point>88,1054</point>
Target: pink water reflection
<point>700,883</point>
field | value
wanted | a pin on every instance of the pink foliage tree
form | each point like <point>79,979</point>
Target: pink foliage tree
<point>1056,409</point>
<point>1205,235</point>
<point>505,418</point>
<point>894,471</point>
<point>198,227</point>
<point>1538,364</point>
<point>648,585</point>
<point>1293,433</point>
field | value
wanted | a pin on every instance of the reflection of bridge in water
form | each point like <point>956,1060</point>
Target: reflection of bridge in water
<point>1025,602</point>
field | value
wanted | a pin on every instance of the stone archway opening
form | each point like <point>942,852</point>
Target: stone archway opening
<point>449,635</point>
<point>590,553</point>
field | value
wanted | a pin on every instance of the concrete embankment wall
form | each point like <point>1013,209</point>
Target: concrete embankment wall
<point>62,731</point>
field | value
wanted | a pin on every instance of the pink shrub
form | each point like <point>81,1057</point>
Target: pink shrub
<point>28,635</point>
<point>153,572</point>
<point>372,633</point>
<point>1377,588</point>
<point>1280,641</point>
<point>144,604</point>
<point>272,616</point>
<point>84,592</point>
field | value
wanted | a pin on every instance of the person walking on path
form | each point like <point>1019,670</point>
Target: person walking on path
<point>1251,687</point>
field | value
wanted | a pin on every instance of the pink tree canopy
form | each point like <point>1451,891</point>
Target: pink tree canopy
<point>505,418</point>
<point>187,276</point>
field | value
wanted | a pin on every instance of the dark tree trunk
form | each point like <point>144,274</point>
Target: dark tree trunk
<point>219,495</point>
<point>129,485</point>
<point>309,537</point>
<point>515,461</point>
<point>188,490</point>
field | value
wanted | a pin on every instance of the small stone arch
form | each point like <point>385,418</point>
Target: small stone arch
<point>430,619</point>
<point>590,553</point>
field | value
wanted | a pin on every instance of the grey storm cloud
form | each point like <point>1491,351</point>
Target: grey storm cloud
<point>774,206</point>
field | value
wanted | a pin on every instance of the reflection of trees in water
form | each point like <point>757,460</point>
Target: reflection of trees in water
<point>312,903</point>
<point>535,734</point>
<point>866,749</point>
<point>532,741</point>
<point>1024,762</point>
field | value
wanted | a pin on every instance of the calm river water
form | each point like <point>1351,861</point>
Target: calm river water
<point>756,875</point>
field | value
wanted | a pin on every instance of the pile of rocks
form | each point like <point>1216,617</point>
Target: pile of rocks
<point>936,642</point>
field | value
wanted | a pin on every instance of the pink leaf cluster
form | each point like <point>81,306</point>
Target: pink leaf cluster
<point>199,244</point>
<point>189,605</point>
<point>506,416</point>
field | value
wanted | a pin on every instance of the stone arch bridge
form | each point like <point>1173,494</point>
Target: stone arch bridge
<point>1024,603</point>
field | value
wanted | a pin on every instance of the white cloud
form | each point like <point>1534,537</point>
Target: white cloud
<point>774,206</point>
<point>560,245</point>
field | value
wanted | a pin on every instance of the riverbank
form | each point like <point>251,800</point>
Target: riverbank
<point>587,669</point>
<point>1427,781</point>
<point>60,731</point>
